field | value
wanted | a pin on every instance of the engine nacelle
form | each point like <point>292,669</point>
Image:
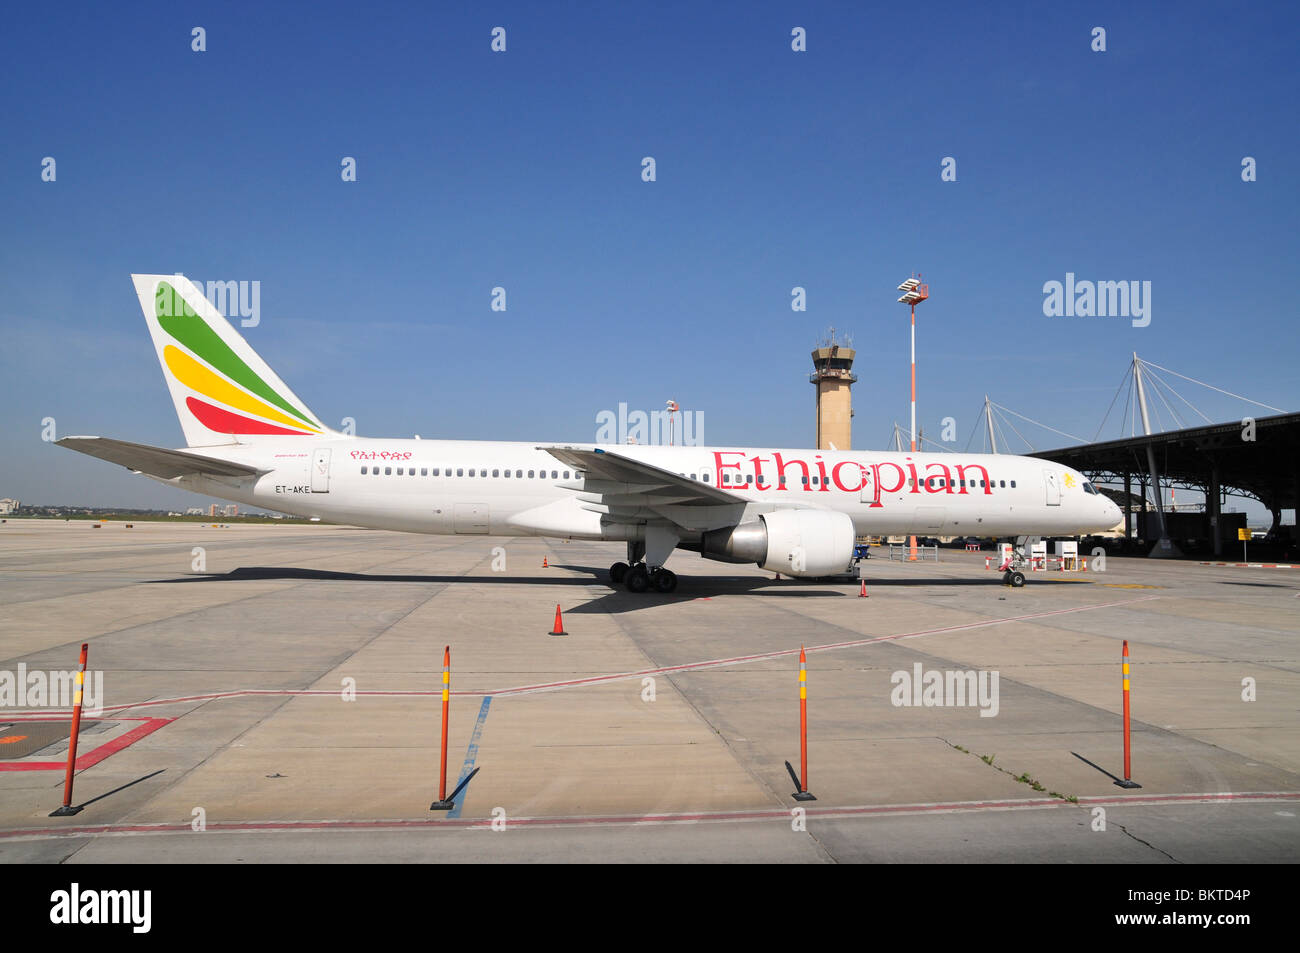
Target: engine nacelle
<point>791,542</point>
<point>808,542</point>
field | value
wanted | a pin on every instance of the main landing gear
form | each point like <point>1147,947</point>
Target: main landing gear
<point>639,578</point>
<point>636,576</point>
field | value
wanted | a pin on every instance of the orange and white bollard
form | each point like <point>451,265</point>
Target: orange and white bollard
<point>67,810</point>
<point>801,779</point>
<point>988,560</point>
<point>443,804</point>
<point>1085,565</point>
<point>544,563</point>
<point>1128,781</point>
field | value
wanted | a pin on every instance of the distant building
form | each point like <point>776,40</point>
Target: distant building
<point>231,509</point>
<point>8,507</point>
<point>212,510</point>
<point>194,511</point>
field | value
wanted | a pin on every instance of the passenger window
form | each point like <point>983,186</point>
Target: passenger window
<point>411,472</point>
<point>1002,484</point>
<point>388,471</point>
<point>399,471</point>
<point>1013,484</point>
<point>706,478</point>
<point>496,473</point>
<point>363,471</point>
<point>530,474</point>
<point>519,474</point>
<point>424,471</point>
<point>483,472</point>
<point>805,480</point>
<point>782,482</point>
<point>555,474</point>
<point>566,474</point>
<point>437,471</point>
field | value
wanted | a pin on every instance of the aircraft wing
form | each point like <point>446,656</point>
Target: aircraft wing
<point>155,461</point>
<point>622,480</point>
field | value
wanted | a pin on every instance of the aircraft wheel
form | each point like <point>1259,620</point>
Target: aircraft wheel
<point>618,572</point>
<point>637,578</point>
<point>1006,578</point>
<point>665,580</point>
<point>1017,579</point>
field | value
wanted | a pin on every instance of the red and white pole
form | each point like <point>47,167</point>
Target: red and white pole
<point>67,809</point>
<point>911,546</point>
<point>1128,781</point>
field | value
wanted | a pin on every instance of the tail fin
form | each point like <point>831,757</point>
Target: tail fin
<point>222,390</point>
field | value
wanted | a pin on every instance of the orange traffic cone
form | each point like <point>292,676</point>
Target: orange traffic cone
<point>862,593</point>
<point>559,624</point>
<point>544,566</point>
<point>987,560</point>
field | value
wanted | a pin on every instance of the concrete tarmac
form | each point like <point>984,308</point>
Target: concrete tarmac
<point>273,694</point>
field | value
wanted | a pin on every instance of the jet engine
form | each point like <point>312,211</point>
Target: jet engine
<point>792,542</point>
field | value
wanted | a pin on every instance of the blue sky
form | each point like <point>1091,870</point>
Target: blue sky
<point>522,169</point>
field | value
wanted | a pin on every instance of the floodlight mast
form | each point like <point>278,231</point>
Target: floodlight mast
<point>913,294</point>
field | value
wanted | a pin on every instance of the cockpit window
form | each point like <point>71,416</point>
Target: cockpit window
<point>1089,488</point>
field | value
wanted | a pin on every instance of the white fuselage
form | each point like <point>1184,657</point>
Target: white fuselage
<point>516,489</point>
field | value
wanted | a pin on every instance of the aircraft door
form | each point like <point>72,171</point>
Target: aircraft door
<point>472,518</point>
<point>320,471</point>
<point>868,490</point>
<point>1053,488</point>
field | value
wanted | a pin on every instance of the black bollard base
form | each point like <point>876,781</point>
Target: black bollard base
<point>66,811</point>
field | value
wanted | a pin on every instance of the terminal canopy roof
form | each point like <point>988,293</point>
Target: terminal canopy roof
<point>1266,467</point>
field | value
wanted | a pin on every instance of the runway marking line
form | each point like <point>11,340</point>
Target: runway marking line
<point>640,820</point>
<point>91,758</point>
<point>622,676</point>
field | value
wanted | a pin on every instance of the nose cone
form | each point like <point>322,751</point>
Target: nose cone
<point>1114,514</point>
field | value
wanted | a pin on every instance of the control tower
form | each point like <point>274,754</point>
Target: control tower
<point>833,376</point>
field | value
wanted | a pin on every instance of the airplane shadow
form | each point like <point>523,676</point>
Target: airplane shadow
<point>618,599</point>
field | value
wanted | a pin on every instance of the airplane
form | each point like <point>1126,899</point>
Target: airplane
<point>797,513</point>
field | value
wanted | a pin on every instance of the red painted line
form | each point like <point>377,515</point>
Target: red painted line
<point>620,676</point>
<point>826,647</point>
<point>95,755</point>
<point>783,814</point>
<point>1253,565</point>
